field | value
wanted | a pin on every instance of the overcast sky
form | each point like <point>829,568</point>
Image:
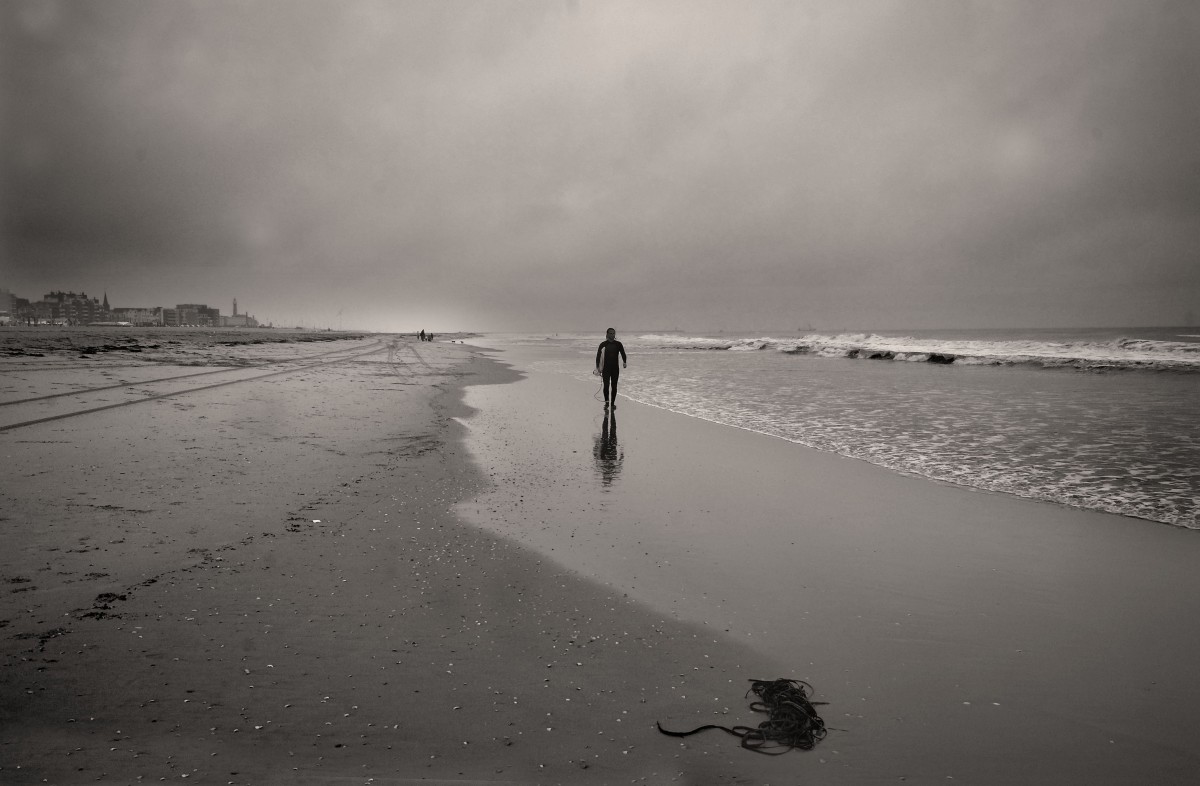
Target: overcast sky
<point>571,165</point>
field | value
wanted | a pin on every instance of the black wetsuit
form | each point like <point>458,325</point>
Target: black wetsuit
<point>610,372</point>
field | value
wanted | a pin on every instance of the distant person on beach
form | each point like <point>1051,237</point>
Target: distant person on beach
<point>422,334</point>
<point>606,364</point>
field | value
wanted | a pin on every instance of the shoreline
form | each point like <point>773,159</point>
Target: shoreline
<point>915,475</point>
<point>1118,442</point>
<point>953,625</point>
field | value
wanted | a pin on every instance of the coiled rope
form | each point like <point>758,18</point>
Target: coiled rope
<point>792,721</point>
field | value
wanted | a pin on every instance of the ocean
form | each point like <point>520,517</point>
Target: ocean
<point>1101,419</point>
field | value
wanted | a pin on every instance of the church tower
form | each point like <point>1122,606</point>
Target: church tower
<point>106,300</point>
<point>235,307</point>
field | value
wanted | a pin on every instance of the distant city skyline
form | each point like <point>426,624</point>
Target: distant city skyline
<point>293,314</point>
<point>69,306</point>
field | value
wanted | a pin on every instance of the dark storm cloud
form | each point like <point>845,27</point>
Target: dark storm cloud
<point>526,164</point>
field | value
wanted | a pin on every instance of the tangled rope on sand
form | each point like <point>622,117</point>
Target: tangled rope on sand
<point>792,721</point>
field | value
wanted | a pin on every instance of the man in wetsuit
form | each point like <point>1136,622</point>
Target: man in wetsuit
<point>606,364</point>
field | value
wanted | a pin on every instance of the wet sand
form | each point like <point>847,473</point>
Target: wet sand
<point>959,636</point>
<point>266,582</point>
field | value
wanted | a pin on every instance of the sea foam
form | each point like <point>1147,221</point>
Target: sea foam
<point>1124,353</point>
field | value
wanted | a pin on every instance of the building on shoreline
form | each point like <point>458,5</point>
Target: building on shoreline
<point>198,314</point>
<point>69,308</point>
<point>8,307</point>
<point>238,320</point>
<point>138,316</point>
<point>55,308</point>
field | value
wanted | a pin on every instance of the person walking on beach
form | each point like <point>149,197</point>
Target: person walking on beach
<point>606,364</point>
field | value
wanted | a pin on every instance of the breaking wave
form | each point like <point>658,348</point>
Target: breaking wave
<point>1122,353</point>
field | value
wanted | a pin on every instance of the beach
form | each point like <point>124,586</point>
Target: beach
<point>265,583</point>
<point>374,560</point>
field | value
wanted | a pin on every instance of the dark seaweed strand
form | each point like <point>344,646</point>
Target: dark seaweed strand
<point>792,721</point>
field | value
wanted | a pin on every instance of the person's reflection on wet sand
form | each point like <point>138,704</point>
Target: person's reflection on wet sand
<point>607,452</point>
